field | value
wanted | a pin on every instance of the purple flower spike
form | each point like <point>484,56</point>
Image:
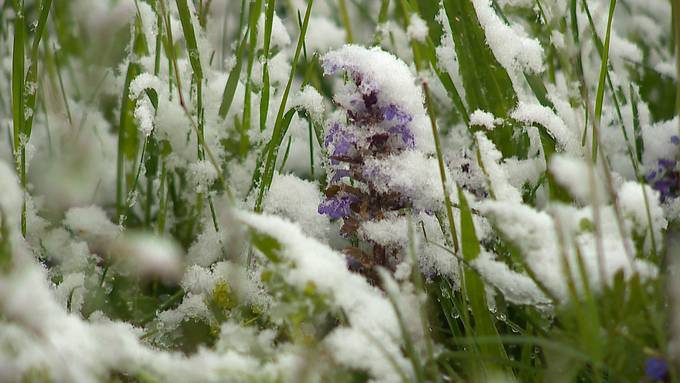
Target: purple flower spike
<point>666,164</point>
<point>340,174</point>
<point>656,369</point>
<point>330,135</point>
<point>337,206</point>
<point>405,133</point>
<point>393,112</point>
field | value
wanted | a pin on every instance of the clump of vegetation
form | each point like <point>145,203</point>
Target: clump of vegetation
<point>339,191</point>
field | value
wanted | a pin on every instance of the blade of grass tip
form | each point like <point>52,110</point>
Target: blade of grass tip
<point>601,83</point>
<point>637,129</point>
<point>442,167</point>
<point>639,148</point>
<point>382,18</point>
<point>253,17</point>
<point>278,126</point>
<point>32,76</point>
<point>127,131</point>
<point>264,99</point>
<point>346,22</point>
<point>190,39</point>
<point>195,60</point>
<point>232,81</point>
<point>18,97</point>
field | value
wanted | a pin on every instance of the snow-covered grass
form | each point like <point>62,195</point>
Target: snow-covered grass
<point>339,191</point>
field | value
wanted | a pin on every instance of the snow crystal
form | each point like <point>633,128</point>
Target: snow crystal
<point>206,249</point>
<point>197,280</point>
<point>534,233</point>
<point>70,291</point>
<point>386,232</point>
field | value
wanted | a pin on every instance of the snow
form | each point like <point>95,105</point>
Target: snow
<point>536,236</point>
<point>91,222</point>
<point>148,256</point>
<point>323,35</point>
<point>367,310</point>
<point>498,177</point>
<point>383,72</point>
<point>297,200</point>
<point>309,100</point>
<point>386,232</point>
<point>202,175</point>
<point>142,82</point>
<point>144,114</point>
<point>573,173</point>
<point>517,288</point>
<point>484,119</point>
<point>279,37</point>
<point>634,206</point>
<point>417,28</point>
<point>535,113</point>
<point>511,45</point>
<point>412,174</point>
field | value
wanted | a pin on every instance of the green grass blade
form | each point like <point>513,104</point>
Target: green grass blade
<point>277,134</point>
<point>599,100</point>
<point>190,39</point>
<point>232,80</point>
<point>474,286</point>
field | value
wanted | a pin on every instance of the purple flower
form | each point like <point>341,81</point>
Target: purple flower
<point>393,112</point>
<point>353,264</point>
<point>675,140</point>
<point>666,164</point>
<point>330,134</point>
<point>656,369</point>
<point>340,174</point>
<point>337,206</point>
<point>405,133</point>
<point>665,179</point>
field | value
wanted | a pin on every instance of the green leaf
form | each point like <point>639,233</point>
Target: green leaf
<point>267,244</point>
<point>190,39</point>
<point>487,84</point>
<point>232,81</point>
<point>484,325</point>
